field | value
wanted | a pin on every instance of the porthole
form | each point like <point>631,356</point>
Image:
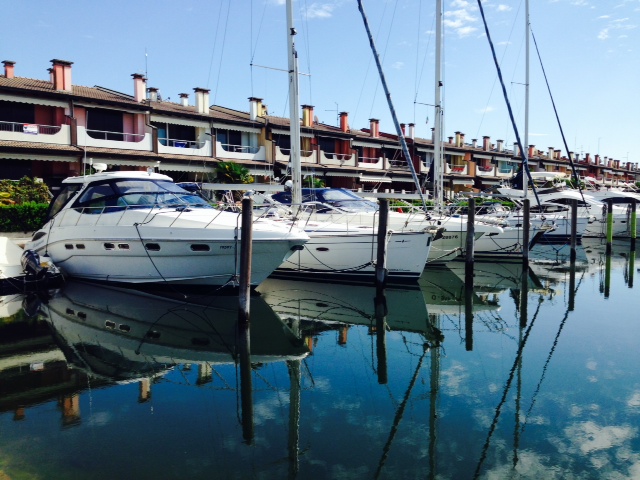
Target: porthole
<point>200,247</point>
<point>82,315</point>
<point>110,324</point>
<point>68,246</point>
<point>109,246</point>
<point>125,328</point>
<point>80,246</point>
<point>322,249</point>
<point>153,247</point>
<point>123,246</point>
<point>70,312</point>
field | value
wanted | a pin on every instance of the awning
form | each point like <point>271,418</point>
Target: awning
<point>457,181</point>
<point>36,157</point>
<point>33,101</point>
<point>374,179</point>
<point>163,166</point>
<point>487,157</point>
<point>491,182</point>
<point>277,131</point>
<point>238,128</point>
<point>179,121</point>
<point>360,143</point>
<point>342,174</point>
<point>261,172</point>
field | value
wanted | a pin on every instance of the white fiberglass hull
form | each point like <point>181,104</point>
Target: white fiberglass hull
<point>199,247</point>
<point>352,256</point>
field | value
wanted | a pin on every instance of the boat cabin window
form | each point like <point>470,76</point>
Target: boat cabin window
<point>132,192</point>
<point>62,199</point>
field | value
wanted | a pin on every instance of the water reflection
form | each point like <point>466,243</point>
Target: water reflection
<point>524,375</point>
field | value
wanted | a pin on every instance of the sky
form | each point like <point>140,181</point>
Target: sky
<point>589,50</point>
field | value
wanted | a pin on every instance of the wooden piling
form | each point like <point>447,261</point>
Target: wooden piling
<point>572,286</point>
<point>471,229</point>
<point>607,273</point>
<point>526,224</point>
<point>244,293</point>
<point>468,307</point>
<point>246,382</point>
<point>380,304</point>
<point>574,229</point>
<point>609,204</point>
<point>634,225</point>
<point>381,264</point>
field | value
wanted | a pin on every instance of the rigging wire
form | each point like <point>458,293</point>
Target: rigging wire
<point>215,42</point>
<point>252,53</point>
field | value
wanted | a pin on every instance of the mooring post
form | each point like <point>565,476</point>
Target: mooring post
<point>381,264</point>
<point>471,229</point>
<point>246,382</point>
<point>634,225</point>
<point>526,212</point>
<point>607,274</point>
<point>609,204</point>
<point>572,286</point>
<point>380,305</point>
<point>244,294</point>
<point>574,229</point>
<point>468,308</point>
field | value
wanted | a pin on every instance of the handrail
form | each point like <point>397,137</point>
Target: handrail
<point>115,136</point>
<point>178,143</point>
<point>22,127</point>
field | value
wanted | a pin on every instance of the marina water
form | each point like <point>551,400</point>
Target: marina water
<point>529,375</point>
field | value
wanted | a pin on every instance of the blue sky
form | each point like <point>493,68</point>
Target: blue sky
<point>589,49</point>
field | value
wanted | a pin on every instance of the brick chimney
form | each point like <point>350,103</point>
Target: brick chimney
<point>61,75</point>
<point>486,143</point>
<point>307,115</point>
<point>532,151</point>
<point>403,128</point>
<point>344,122</point>
<point>184,99</point>
<point>153,94</point>
<point>8,68</point>
<point>374,127</point>
<point>202,100</point>
<point>255,105</point>
<point>587,158</point>
<point>139,83</point>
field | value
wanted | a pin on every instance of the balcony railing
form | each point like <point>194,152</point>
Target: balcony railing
<point>240,148</point>
<point>115,136</point>
<point>29,128</point>
<point>174,142</point>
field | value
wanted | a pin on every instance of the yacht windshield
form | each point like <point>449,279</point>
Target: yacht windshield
<point>137,193</point>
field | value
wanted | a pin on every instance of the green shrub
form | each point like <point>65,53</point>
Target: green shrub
<point>24,190</point>
<point>25,217</point>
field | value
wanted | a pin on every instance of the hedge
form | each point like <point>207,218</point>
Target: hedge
<point>25,217</point>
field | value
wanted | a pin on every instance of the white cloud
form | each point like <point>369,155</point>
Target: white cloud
<point>604,34</point>
<point>503,8</point>
<point>320,10</point>
<point>588,437</point>
<point>398,65</point>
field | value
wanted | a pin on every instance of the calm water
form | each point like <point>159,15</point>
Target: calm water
<point>519,378</point>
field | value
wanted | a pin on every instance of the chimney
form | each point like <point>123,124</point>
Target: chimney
<point>433,135</point>
<point>462,139</point>
<point>153,94</point>
<point>255,105</point>
<point>486,143</point>
<point>403,127</point>
<point>557,154</point>
<point>550,152</point>
<point>500,144</point>
<point>596,160</point>
<point>50,70</point>
<point>516,150</point>
<point>184,99</point>
<point>573,157</point>
<point>202,100</point>
<point>412,131</point>
<point>307,115</point>
<point>62,75</point>
<point>374,126</point>
<point>587,158</point>
<point>344,122</point>
<point>139,83</point>
<point>450,140</point>
<point>474,143</point>
<point>532,150</point>
<point>457,134</point>
<point>8,68</point>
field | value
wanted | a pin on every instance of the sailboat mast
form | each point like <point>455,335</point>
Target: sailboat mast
<point>438,164</point>
<point>525,184</point>
<point>294,108</point>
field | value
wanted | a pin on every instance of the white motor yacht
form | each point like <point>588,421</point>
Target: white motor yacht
<point>140,227</point>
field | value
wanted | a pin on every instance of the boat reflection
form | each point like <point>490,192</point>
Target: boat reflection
<point>124,334</point>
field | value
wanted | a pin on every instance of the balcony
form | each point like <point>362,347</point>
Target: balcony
<point>374,163</point>
<point>229,151</point>
<point>115,140</point>
<point>337,159</point>
<point>197,148</point>
<point>456,169</point>
<point>31,132</point>
<point>503,171</point>
<point>486,170</point>
<point>306,156</point>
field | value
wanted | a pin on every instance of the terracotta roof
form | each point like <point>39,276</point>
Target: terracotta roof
<point>39,146</point>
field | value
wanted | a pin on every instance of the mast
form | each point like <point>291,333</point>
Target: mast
<point>525,184</point>
<point>294,108</point>
<point>438,177</point>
